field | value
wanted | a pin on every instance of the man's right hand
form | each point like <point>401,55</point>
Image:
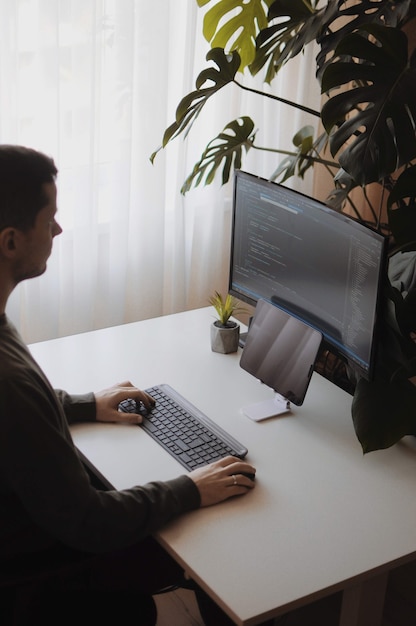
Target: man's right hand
<point>223,479</point>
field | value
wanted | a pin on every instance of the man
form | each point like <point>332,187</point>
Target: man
<point>52,516</point>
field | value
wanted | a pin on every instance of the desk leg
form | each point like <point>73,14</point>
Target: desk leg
<point>362,605</point>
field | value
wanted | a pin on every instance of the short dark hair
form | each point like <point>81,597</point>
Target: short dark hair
<point>23,172</point>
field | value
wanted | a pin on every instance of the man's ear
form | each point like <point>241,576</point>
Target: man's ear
<point>8,241</point>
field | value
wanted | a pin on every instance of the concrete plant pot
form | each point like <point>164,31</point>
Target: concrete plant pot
<point>224,339</point>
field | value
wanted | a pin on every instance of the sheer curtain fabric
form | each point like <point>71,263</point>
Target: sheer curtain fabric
<point>94,83</point>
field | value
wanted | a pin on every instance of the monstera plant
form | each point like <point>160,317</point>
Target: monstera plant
<point>366,67</point>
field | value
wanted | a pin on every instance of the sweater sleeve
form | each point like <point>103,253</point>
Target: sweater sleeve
<point>40,467</point>
<point>77,408</point>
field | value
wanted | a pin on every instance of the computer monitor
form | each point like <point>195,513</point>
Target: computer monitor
<point>321,266</point>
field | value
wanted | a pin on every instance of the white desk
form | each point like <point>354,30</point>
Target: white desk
<point>322,517</point>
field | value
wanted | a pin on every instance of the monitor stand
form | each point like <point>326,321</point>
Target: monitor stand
<point>243,336</point>
<point>242,339</point>
<point>267,408</point>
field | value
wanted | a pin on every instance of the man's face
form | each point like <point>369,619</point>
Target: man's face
<point>35,245</point>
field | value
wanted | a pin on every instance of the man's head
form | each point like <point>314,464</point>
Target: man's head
<point>23,173</point>
<point>27,214</point>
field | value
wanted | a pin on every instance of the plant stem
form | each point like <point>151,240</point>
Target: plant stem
<point>373,212</point>
<point>272,97</point>
<point>294,154</point>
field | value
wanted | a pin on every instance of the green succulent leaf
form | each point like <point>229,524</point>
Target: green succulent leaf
<point>191,105</point>
<point>297,23</point>
<point>368,122</point>
<point>226,306</point>
<point>226,149</point>
<point>234,25</point>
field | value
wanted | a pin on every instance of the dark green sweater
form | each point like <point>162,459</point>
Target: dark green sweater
<point>45,493</point>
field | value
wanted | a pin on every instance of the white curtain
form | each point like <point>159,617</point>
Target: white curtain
<point>94,83</point>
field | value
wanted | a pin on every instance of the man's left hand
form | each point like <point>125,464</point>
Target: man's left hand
<point>108,400</point>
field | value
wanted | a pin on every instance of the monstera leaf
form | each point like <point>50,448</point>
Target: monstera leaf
<point>301,24</point>
<point>303,142</point>
<point>401,207</point>
<point>353,16</point>
<point>404,189</point>
<point>373,123</point>
<point>383,413</point>
<point>307,151</point>
<point>225,149</point>
<point>344,184</point>
<point>224,27</point>
<point>383,409</point>
<point>191,105</point>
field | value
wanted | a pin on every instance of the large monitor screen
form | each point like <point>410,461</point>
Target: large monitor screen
<point>317,264</point>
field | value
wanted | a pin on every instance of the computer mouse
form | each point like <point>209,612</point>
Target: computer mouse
<point>249,475</point>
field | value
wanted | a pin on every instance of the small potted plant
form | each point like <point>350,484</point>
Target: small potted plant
<point>225,333</point>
